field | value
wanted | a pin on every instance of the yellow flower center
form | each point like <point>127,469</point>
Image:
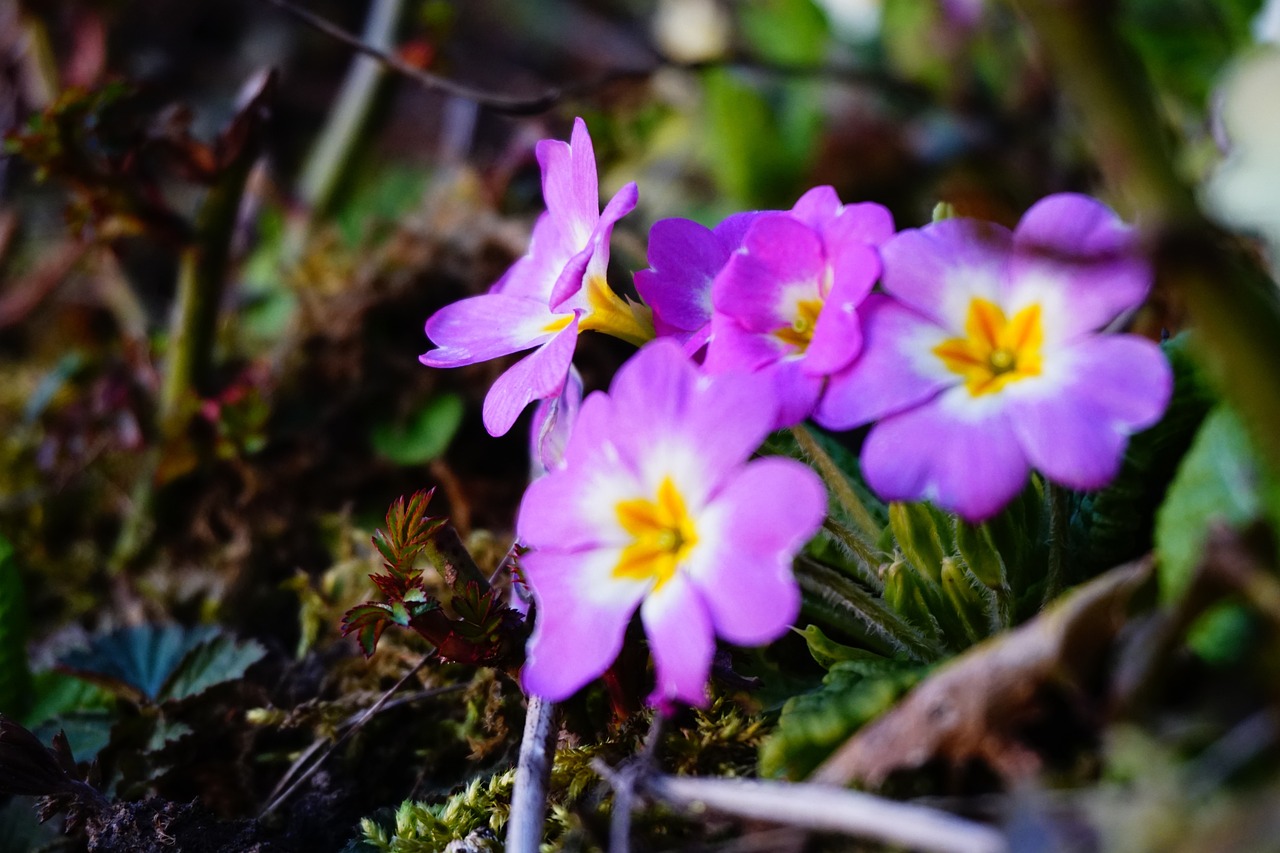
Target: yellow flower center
<point>995,350</point>
<point>610,313</point>
<point>800,333</point>
<point>663,532</point>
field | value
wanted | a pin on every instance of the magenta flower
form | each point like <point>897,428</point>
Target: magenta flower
<point>550,295</point>
<point>982,361</point>
<point>785,305</point>
<point>684,258</point>
<point>657,508</point>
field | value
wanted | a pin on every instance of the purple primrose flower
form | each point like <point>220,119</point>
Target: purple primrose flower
<point>656,507</point>
<point>785,305</point>
<point>684,258</point>
<point>550,295</point>
<point>982,360</point>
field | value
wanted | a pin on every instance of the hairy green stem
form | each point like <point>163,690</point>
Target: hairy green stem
<point>861,614</point>
<point>837,481</point>
<point>866,558</point>
<point>1056,574</point>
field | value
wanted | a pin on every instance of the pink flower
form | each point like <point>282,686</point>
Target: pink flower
<point>684,258</point>
<point>656,508</point>
<point>785,305</point>
<point>550,295</point>
<point>982,360</point>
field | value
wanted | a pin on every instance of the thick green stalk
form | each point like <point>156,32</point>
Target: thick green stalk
<point>1229,299</point>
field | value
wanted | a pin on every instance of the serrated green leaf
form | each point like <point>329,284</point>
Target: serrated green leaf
<point>424,436</point>
<point>1219,481</point>
<point>136,661</point>
<point>216,661</point>
<point>813,724</point>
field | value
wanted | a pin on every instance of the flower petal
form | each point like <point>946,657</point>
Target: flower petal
<point>684,257</point>
<point>818,207</point>
<point>778,254</point>
<point>744,571</point>
<point>797,390</point>
<point>593,259</point>
<point>670,418</point>
<point>488,326</point>
<point>866,222</point>
<point>1076,436</point>
<point>939,269</point>
<point>575,506</point>
<point>569,183</point>
<point>731,347</point>
<point>1077,258</point>
<point>894,371</point>
<point>962,457</point>
<point>682,641</point>
<point>538,376</point>
<point>535,274</point>
<point>581,619</point>
<point>837,336</point>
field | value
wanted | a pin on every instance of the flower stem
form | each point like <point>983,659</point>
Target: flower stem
<point>1055,576</point>
<point>861,614</point>
<point>865,557</point>
<point>836,479</point>
<point>533,772</point>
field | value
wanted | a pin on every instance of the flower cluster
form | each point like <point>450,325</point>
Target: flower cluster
<point>976,354</point>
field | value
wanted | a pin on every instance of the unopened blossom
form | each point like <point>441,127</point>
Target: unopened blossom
<point>549,296</point>
<point>785,306</point>
<point>983,360</point>
<point>656,508</point>
<point>551,425</point>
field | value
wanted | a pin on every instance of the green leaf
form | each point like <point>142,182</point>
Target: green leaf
<point>56,693</point>
<point>136,661</point>
<point>1225,633</point>
<point>827,652</point>
<point>15,675</point>
<point>424,436</point>
<point>216,661</point>
<point>813,724</point>
<point>367,621</point>
<point>1219,481</point>
<point>786,32</point>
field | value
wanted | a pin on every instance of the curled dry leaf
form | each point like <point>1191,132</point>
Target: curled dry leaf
<point>974,708</point>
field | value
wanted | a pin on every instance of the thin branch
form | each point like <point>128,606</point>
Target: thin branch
<point>278,796</point>
<point>533,771</point>
<point>536,104</point>
<point>820,808</point>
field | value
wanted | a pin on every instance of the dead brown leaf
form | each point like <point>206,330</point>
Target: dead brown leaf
<point>974,707</point>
